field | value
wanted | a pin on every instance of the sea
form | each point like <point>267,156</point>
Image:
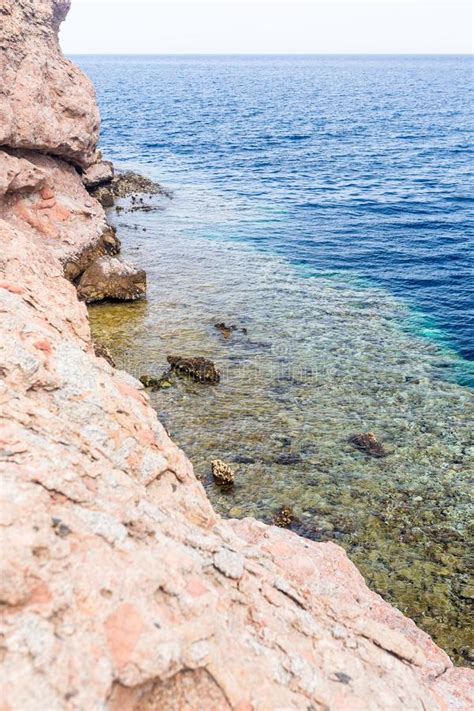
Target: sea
<point>323,208</point>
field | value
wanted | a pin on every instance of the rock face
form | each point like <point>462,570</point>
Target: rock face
<point>112,278</point>
<point>99,173</point>
<point>120,588</point>
<point>17,174</point>
<point>45,198</point>
<point>46,103</point>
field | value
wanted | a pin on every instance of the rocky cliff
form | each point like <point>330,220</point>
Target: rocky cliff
<point>120,588</point>
<point>46,103</point>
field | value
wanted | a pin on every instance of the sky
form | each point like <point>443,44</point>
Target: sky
<point>268,27</point>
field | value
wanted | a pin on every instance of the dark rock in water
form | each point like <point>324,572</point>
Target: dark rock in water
<point>467,653</point>
<point>225,330</point>
<point>242,459</point>
<point>124,185</point>
<point>104,195</point>
<point>145,208</point>
<point>165,383</point>
<point>106,186</point>
<point>368,442</point>
<point>130,184</point>
<point>149,381</point>
<point>284,518</point>
<point>162,383</point>
<point>222,473</point>
<point>199,369</point>
<point>259,346</point>
<point>102,351</point>
<point>287,460</point>
<point>111,278</point>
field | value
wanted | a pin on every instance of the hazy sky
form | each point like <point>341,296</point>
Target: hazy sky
<point>268,26</point>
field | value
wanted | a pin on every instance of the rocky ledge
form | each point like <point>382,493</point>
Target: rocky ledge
<point>112,278</point>
<point>120,587</point>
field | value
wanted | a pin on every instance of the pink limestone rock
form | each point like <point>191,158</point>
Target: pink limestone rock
<point>19,175</point>
<point>47,104</point>
<point>45,198</point>
<point>99,173</point>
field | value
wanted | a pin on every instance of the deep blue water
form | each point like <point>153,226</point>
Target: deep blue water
<point>360,165</point>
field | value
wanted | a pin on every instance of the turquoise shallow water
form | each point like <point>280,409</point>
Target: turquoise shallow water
<point>357,165</point>
<point>336,343</point>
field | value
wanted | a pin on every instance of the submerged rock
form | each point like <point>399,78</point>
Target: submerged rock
<point>244,459</point>
<point>149,381</point>
<point>368,442</point>
<point>162,383</point>
<point>222,473</point>
<point>112,278</point>
<point>201,370</point>
<point>225,330</point>
<point>98,174</point>
<point>284,518</point>
<point>288,460</point>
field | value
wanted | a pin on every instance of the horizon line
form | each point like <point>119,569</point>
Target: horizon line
<point>270,54</point>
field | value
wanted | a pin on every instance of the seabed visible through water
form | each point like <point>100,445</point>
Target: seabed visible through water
<point>322,358</point>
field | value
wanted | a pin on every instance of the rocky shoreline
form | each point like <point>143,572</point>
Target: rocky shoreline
<point>120,587</point>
